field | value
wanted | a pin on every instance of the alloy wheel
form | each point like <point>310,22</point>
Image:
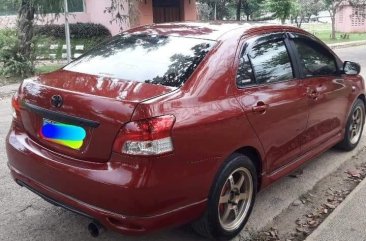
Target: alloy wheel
<point>355,128</point>
<point>235,199</point>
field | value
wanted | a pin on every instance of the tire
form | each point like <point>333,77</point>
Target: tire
<point>229,203</point>
<point>354,127</point>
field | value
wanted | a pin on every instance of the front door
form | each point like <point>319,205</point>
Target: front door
<point>326,91</point>
<point>166,11</point>
<point>272,99</point>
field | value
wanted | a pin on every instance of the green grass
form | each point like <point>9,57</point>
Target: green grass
<point>324,31</point>
<point>47,68</point>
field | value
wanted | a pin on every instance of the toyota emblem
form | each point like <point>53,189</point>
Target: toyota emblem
<point>56,101</point>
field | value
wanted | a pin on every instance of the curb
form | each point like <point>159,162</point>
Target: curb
<point>324,225</point>
<point>347,44</point>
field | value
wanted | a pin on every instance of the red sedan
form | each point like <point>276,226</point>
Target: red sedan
<point>175,123</point>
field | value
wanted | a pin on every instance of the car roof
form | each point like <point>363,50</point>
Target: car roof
<point>202,30</point>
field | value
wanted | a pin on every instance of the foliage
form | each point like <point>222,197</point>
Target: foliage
<point>8,7</point>
<point>304,9</point>
<point>204,11</point>
<point>281,8</point>
<point>12,63</point>
<point>251,7</point>
<point>77,30</point>
<point>221,9</point>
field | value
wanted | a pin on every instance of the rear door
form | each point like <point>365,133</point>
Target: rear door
<point>271,96</point>
<point>325,89</point>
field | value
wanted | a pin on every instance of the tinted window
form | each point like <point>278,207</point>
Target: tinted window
<point>245,75</point>
<point>315,59</point>
<point>271,62</point>
<point>162,60</point>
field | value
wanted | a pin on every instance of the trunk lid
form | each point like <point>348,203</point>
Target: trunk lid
<point>99,105</point>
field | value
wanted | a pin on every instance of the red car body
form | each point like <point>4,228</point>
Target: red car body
<point>280,126</point>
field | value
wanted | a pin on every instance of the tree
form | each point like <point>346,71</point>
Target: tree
<point>204,11</point>
<point>251,7</point>
<point>304,9</point>
<point>332,6</point>
<point>220,8</point>
<point>281,9</point>
<point>238,10</point>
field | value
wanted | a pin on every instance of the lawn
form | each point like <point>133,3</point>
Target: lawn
<point>46,68</point>
<point>324,30</point>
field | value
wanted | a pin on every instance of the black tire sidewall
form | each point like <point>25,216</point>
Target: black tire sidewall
<point>346,143</point>
<point>234,162</point>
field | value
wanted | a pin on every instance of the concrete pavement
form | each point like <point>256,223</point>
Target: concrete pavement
<point>8,90</point>
<point>347,222</point>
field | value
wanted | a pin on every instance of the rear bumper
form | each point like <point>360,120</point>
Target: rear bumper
<point>106,192</point>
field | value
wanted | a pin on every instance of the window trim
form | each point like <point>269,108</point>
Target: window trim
<point>247,43</point>
<point>292,36</point>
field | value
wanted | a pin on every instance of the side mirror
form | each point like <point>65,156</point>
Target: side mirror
<point>351,68</point>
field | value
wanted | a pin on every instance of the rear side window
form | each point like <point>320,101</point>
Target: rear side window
<point>315,59</point>
<point>161,60</point>
<point>267,62</point>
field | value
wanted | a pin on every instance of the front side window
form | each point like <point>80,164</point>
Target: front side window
<point>271,62</point>
<point>315,59</point>
<point>267,62</point>
<point>155,59</point>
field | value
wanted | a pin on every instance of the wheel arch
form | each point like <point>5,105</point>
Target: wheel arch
<point>255,156</point>
<point>363,98</point>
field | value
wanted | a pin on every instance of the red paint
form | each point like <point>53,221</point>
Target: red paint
<point>284,123</point>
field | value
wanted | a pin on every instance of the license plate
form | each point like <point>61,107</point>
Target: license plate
<point>63,134</point>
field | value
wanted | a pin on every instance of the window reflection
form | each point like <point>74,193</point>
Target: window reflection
<point>162,60</point>
<point>271,62</point>
<point>315,59</point>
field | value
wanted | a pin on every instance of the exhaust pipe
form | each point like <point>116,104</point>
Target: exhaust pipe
<point>95,229</point>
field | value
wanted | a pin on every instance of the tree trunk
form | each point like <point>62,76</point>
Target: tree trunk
<point>238,10</point>
<point>333,27</point>
<point>248,17</point>
<point>25,29</point>
<point>283,21</point>
<point>300,23</point>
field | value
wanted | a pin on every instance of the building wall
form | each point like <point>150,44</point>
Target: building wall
<point>190,11</point>
<point>95,10</point>
<point>146,13</point>
<point>347,22</point>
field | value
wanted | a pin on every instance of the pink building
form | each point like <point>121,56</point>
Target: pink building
<point>351,18</point>
<point>85,11</point>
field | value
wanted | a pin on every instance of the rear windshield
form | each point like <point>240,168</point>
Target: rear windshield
<point>162,60</point>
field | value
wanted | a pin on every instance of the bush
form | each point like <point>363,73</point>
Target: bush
<point>77,30</point>
<point>12,63</point>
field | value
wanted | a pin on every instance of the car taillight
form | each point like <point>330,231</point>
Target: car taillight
<point>146,137</point>
<point>15,103</point>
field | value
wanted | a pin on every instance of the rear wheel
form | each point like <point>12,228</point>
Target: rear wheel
<point>231,200</point>
<point>354,127</point>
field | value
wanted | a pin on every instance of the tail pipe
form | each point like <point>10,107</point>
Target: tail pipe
<point>95,229</point>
